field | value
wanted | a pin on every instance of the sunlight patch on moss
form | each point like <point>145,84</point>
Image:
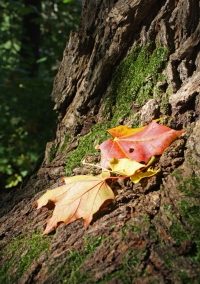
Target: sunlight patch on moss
<point>135,79</point>
<point>86,146</point>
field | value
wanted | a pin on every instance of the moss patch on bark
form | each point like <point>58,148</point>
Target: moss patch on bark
<point>71,271</point>
<point>20,254</point>
<point>185,232</point>
<point>190,212</point>
<point>133,82</point>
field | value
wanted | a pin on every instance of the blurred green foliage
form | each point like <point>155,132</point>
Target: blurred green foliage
<point>27,120</point>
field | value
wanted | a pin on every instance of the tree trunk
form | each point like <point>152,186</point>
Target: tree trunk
<point>131,61</point>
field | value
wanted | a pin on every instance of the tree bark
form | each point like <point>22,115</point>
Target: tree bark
<point>130,62</point>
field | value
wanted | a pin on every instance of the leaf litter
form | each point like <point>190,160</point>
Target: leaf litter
<point>130,153</point>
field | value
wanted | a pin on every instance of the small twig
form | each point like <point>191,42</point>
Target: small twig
<point>95,166</point>
<point>104,169</point>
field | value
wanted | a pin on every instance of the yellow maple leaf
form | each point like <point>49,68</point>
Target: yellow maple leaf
<point>140,175</point>
<point>80,197</point>
<point>130,168</point>
<point>125,167</point>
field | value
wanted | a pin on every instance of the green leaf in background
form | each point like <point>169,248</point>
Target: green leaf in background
<point>41,60</point>
<point>68,1</point>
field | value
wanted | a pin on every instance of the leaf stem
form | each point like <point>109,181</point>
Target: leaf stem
<point>117,177</point>
<point>95,166</point>
<point>104,169</point>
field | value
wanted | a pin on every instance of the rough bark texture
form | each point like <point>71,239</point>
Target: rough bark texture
<point>150,234</point>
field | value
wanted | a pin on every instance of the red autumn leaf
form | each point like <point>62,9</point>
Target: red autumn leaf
<point>140,146</point>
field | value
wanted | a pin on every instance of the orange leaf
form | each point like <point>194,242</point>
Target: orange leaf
<point>80,197</point>
<point>123,130</point>
<point>152,140</point>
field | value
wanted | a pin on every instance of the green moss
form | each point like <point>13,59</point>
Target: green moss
<point>136,226</point>
<point>185,278</point>
<point>178,232</point>
<point>189,208</point>
<point>19,254</point>
<point>184,230</point>
<point>135,78</point>
<point>52,153</point>
<point>190,186</point>
<point>86,146</point>
<point>162,97</point>
<point>168,258</point>
<point>65,142</point>
<point>135,119</point>
<point>133,81</point>
<point>191,215</point>
<point>130,228</point>
<point>129,268</point>
<point>164,101</point>
<point>71,272</point>
<point>181,270</point>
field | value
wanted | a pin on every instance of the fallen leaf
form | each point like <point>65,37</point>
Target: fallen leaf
<point>123,130</point>
<point>143,174</point>
<point>152,140</point>
<point>125,167</point>
<point>80,197</point>
<point>136,171</point>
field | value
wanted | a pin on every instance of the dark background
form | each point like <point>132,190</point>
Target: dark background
<point>33,34</point>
